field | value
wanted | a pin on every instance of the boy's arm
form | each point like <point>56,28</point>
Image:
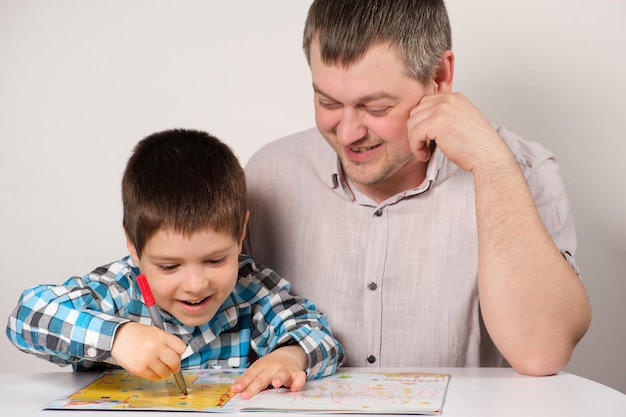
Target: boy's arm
<point>147,351</point>
<point>281,318</point>
<point>282,367</point>
<point>72,322</point>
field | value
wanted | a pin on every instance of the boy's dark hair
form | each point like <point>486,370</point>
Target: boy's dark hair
<point>184,181</point>
<point>346,29</point>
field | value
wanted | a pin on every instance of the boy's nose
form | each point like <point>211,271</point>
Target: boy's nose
<point>196,282</point>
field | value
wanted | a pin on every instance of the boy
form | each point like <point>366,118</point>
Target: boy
<point>184,201</point>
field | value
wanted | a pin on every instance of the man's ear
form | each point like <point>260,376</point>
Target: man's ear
<point>445,73</point>
<point>132,250</point>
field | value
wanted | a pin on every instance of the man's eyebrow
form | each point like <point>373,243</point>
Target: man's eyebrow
<point>364,99</point>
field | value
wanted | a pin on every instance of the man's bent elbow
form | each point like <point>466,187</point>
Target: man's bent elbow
<point>542,363</point>
<point>549,356</point>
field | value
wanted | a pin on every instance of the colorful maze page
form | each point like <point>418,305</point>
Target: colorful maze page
<point>207,391</point>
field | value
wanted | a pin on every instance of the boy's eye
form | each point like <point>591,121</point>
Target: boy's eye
<point>168,268</point>
<point>218,261</point>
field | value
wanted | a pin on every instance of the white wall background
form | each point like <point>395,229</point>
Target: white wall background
<point>82,81</point>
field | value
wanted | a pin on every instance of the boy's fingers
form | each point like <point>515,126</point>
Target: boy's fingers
<point>160,369</point>
<point>177,345</point>
<point>282,377</point>
<point>298,382</point>
<point>245,379</point>
<point>170,358</point>
<point>295,381</point>
<point>257,385</point>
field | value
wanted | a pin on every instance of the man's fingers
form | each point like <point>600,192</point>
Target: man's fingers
<point>423,150</point>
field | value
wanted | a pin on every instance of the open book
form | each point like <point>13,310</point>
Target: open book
<point>348,391</point>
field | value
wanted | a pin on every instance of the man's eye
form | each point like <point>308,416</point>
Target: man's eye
<point>331,105</point>
<point>378,111</point>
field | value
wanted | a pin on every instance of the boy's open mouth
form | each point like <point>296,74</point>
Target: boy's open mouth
<point>191,303</point>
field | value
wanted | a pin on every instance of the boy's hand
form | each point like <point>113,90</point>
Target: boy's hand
<point>283,367</point>
<point>147,351</point>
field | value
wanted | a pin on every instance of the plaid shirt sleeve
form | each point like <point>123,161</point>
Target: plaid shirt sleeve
<point>75,321</point>
<point>281,318</point>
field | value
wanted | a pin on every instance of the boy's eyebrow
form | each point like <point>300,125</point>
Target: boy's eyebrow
<point>162,258</point>
<point>363,99</point>
<point>171,258</point>
<point>165,258</point>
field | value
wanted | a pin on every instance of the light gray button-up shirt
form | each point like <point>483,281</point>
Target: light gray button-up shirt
<point>397,280</point>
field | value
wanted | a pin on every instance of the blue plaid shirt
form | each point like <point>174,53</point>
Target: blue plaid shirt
<point>75,323</point>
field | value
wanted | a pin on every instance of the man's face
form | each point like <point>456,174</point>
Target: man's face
<point>362,111</point>
<point>190,276</point>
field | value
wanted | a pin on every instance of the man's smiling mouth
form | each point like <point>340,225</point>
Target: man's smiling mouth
<point>362,148</point>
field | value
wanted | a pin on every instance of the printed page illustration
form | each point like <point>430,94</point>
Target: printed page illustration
<point>354,392</point>
<point>208,390</point>
<point>361,392</point>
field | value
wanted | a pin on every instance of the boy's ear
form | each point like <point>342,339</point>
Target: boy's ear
<point>445,74</point>
<point>132,250</point>
<point>243,232</point>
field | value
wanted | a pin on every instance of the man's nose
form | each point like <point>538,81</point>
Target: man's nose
<point>350,127</point>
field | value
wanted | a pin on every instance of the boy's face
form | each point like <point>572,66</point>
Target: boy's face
<point>190,276</point>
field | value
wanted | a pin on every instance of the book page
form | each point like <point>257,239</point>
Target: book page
<point>360,392</point>
<point>208,390</point>
<point>353,392</point>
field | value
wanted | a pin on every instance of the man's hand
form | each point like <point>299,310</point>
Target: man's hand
<point>460,130</point>
<point>283,367</point>
<point>532,302</point>
<point>147,351</point>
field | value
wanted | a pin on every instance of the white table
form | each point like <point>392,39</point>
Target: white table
<point>472,392</point>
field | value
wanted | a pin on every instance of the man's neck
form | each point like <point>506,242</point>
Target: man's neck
<point>406,178</point>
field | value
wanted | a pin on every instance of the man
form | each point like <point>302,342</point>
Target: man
<point>429,237</point>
